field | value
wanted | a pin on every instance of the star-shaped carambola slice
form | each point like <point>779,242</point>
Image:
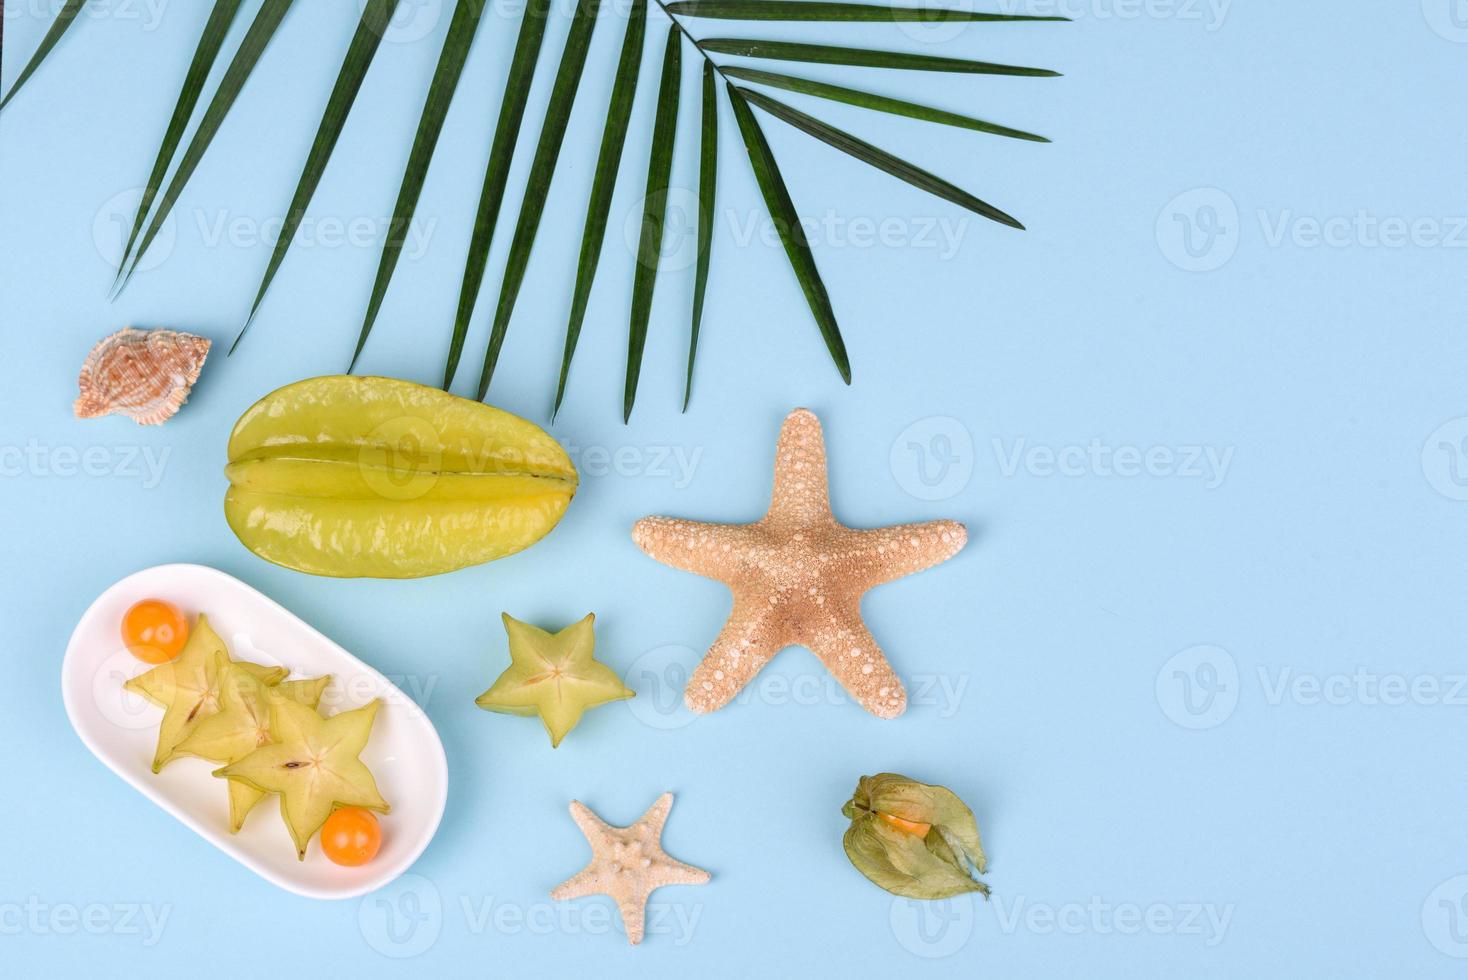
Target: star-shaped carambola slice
<point>313,765</point>
<point>627,863</point>
<point>242,726</point>
<point>189,688</point>
<point>798,577</point>
<point>553,675</point>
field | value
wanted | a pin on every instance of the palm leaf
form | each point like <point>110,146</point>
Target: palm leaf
<point>376,16</point>
<point>215,28</point>
<point>792,235</point>
<point>708,162</point>
<point>879,158</point>
<point>881,103</point>
<point>542,169</point>
<point>65,17</point>
<point>826,54</point>
<point>793,10</point>
<point>262,29</point>
<point>608,159</point>
<point>497,172</point>
<point>654,211</point>
<point>456,44</point>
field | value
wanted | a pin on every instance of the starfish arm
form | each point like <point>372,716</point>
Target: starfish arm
<point>691,546</point>
<point>801,494</point>
<point>579,885</point>
<point>888,553</point>
<point>593,827</point>
<point>676,872</point>
<point>743,646</point>
<point>634,915</point>
<point>851,654</point>
<point>656,815</point>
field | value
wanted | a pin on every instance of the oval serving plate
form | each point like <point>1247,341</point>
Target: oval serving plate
<point>404,753</point>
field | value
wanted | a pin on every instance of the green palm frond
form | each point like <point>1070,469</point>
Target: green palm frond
<point>792,234</point>
<point>497,172</point>
<point>829,54</point>
<point>879,158</point>
<point>65,17</point>
<point>608,160</point>
<point>215,28</point>
<point>806,10</point>
<point>881,103</point>
<point>542,169</point>
<point>159,199</point>
<point>654,211</point>
<point>456,44</point>
<point>708,165</point>
<point>257,38</point>
<point>376,16</point>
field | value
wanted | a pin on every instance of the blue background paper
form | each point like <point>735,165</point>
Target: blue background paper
<point>1199,671</point>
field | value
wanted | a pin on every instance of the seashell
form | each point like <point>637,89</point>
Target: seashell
<point>143,374</point>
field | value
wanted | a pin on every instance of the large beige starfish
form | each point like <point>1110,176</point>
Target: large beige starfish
<point>798,577</point>
<point>627,863</point>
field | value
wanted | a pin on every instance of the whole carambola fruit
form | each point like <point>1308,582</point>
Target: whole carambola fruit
<point>374,477</point>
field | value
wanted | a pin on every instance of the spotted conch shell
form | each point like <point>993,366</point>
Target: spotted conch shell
<point>143,374</point>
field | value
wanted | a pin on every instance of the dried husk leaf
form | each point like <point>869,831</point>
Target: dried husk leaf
<point>933,866</point>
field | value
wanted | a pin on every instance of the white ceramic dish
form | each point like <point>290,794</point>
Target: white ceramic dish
<point>404,754</point>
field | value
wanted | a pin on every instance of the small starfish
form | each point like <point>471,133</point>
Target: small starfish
<point>553,675</point>
<point>627,863</point>
<point>798,577</point>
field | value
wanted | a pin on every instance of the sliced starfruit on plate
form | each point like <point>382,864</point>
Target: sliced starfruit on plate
<point>373,477</point>
<point>191,688</point>
<point>242,726</point>
<point>313,765</point>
